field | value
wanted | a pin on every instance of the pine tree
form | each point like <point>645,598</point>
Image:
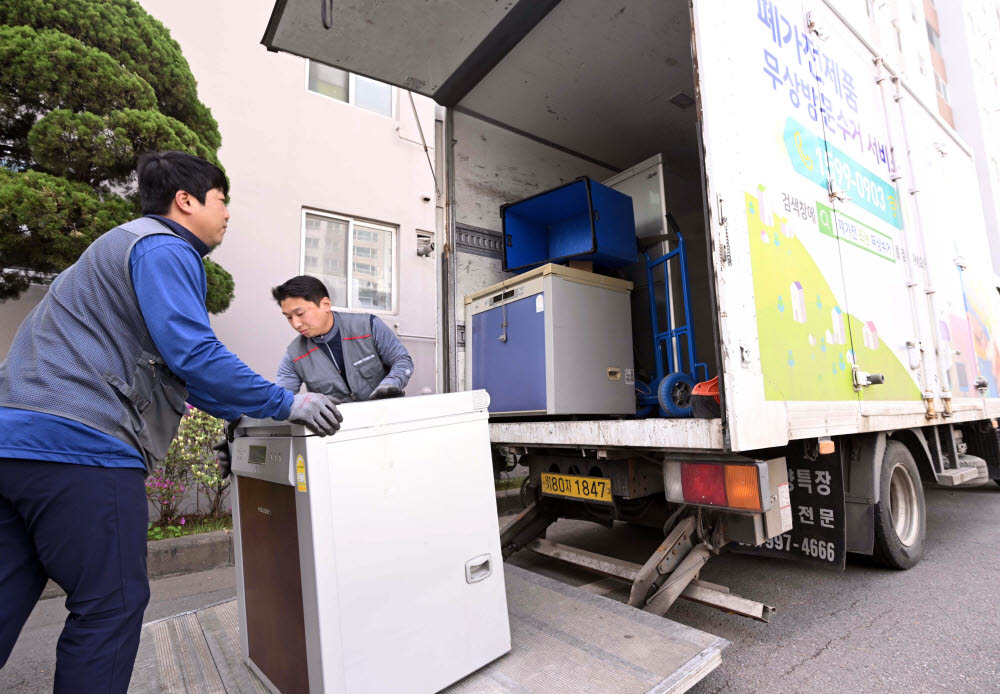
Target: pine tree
<point>86,86</point>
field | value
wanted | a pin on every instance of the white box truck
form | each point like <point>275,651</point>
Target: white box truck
<point>838,260</point>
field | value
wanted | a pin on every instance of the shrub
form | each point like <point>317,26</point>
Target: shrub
<point>190,459</point>
<point>86,86</point>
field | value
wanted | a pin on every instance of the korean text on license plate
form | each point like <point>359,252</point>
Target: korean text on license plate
<point>586,488</point>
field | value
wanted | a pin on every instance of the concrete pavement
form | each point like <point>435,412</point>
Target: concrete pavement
<point>933,628</point>
<point>31,666</point>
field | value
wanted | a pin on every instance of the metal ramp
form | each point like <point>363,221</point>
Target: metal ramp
<point>565,641</point>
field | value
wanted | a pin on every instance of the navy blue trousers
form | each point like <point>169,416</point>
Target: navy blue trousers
<point>85,527</point>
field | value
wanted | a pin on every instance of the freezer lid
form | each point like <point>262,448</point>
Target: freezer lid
<point>440,49</point>
<point>375,413</point>
<point>249,426</point>
<point>571,274</point>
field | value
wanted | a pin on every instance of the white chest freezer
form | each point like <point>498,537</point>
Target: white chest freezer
<point>370,561</point>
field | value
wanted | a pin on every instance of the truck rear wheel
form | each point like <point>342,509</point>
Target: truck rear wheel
<point>900,514</point>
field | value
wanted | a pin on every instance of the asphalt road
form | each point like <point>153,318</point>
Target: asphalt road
<point>934,628</point>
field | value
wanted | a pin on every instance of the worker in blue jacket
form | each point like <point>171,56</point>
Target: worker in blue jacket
<point>91,394</point>
<point>348,356</point>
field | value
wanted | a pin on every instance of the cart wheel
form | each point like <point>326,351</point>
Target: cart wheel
<point>674,394</point>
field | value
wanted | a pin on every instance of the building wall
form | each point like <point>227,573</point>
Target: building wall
<point>286,149</point>
<point>970,44</point>
<point>966,69</point>
<point>13,312</point>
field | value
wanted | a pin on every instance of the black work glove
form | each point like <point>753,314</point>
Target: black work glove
<point>223,453</point>
<point>384,391</point>
<point>224,456</point>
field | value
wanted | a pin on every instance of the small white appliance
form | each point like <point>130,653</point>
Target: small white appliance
<point>369,561</point>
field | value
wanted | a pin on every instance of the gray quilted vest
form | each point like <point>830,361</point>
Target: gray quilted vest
<point>362,365</point>
<point>84,352</point>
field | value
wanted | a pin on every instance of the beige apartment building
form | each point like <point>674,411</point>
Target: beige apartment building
<point>969,33</point>
<point>949,53</point>
<point>329,177</point>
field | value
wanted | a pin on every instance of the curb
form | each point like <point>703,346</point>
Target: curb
<point>178,555</point>
<point>191,553</point>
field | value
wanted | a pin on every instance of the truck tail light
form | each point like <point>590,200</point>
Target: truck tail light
<point>743,487</point>
<point>735,486</point>
<point>704,483</point>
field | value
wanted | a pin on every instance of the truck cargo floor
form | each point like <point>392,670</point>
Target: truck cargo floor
<point>565,639</point>
<point>691,434</point>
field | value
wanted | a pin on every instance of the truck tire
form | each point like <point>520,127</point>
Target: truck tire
<point>900,514</point>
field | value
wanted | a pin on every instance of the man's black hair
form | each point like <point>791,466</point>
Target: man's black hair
<point>303,287</point>
<point>162,174</point>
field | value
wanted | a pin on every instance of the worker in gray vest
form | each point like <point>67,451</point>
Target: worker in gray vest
<point>91,394</point>
<point>347,356</point>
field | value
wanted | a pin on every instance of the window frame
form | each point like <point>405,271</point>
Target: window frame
<point>349,268</point>
<point>941,87</point>
<point>933,37</point>
<point>351,91</point>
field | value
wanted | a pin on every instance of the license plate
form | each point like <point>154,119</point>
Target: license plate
<point>586,488</point>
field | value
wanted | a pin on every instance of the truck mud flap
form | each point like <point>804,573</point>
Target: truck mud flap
<point>819,517</point>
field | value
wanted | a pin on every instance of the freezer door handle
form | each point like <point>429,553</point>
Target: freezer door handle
<point>478,569</point>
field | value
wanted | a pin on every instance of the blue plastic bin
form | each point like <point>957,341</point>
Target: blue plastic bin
<point>582,220</point>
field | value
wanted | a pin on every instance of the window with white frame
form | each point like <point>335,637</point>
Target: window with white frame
<point>942,86</point>
<point>354,258</point>
<point>934,37</point>
<point>365,93</point>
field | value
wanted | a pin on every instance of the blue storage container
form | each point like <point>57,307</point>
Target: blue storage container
<point>582,220</point>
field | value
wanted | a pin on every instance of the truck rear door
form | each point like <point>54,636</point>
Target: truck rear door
<point>785,319</point>
<point>440,50</point>
<point>875,225</point>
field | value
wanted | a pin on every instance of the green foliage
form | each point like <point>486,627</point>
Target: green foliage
<point>198,432</point>
<point>221,288</point>
<point>46,222</point>
<point>209,479</point>
<point>40,71</point>
<point>190,526</point>
<point>139,43</point>
<point>165,494</point>
<point>94,149</point>
<point>162,532</point>
<point>86,86</point>
<point>189,460</point>
<point>203,431</point>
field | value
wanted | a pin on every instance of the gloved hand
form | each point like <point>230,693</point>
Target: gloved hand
<point>386,391</point>
<point>317,412</point>
<point>223,453</point>
<point>224,456</point>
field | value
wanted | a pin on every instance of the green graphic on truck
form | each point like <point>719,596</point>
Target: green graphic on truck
<point>806,346</point>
